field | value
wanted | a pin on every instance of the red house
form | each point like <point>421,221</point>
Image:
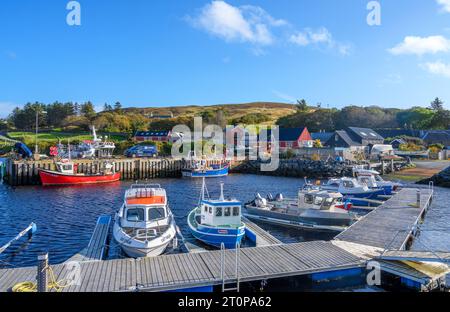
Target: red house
<point>295,138</point>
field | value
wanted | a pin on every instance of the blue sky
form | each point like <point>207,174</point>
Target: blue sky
<point>180,52</point>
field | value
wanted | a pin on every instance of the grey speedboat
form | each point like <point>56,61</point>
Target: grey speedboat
<point>313,209</point>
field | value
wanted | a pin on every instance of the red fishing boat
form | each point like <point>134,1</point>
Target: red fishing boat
<point>66,174</point>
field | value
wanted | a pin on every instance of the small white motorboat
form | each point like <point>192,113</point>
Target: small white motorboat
<point>373,179</point>
<point>144,225</point>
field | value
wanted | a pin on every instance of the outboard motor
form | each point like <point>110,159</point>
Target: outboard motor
<point>270,197</point>
<point>260,202</point>
<point>279,197</point>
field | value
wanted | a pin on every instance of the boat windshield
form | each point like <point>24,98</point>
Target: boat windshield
<point>378,178</point>
<point>348,184</point>
<point>318,200</point>
<point>135,215</point>
<point>327,203</point>
<point>156,213</point>
<point>365,180</point>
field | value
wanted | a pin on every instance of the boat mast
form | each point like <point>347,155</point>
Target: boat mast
<point>222,197</point>
<point>203,189</point>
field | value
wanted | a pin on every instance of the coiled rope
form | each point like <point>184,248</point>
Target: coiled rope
<point>58,286</point>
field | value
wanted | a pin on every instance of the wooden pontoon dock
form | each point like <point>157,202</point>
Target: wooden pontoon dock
<point>382,235</point>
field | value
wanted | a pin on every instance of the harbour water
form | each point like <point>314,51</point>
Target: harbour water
<point>66,216</point>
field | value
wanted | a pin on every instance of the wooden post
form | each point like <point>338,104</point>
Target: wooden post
<point>42,278</point>
<point>392,166</point>
<point>418,198</point>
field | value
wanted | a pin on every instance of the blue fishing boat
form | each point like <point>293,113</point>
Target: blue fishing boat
<point>217,222</point>
<point>201,170</point>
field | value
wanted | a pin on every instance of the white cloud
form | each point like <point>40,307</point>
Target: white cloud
<point>319,37</point>
<point>445,5</point>
<point>422,45</point>
<point>242,24</point>
<point>253,25</point>
<point>438,68</point>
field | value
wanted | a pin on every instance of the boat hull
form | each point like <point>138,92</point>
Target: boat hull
<point>215,237</point>
<point>297,225</point>
<point>307,218</point>
<point>144,252</point>
<point>140,249</point>
<point>49,178</point>
<point>371,194</point>
<point>213,173</point>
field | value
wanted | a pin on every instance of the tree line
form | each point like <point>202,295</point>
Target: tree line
<point>74,116</point>
<point>320,119</point>
<point>113,118</point>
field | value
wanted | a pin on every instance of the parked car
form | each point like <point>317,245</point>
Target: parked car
<point>142,151</point>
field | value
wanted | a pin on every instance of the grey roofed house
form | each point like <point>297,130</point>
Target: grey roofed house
<point>341,138</point>
<point>437,137</point>
<point>365,136</point>
<point>397,142</point>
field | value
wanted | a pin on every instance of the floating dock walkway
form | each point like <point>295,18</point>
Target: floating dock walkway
<point>386,230</point>
<point>257,235</point>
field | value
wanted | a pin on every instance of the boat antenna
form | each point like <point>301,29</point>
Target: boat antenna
<point>68,148</point>
<point>222,197</point>
<point>203,188</point>
<point>94,133</point>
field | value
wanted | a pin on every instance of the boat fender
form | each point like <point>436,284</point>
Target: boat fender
<point>348,205</point>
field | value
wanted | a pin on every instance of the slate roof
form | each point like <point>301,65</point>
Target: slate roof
<point>287,134</point>
<point>366,133</point>
<point>290,134</point>
<point>322,136</point>
<point>346,138</point>
<point>436,136</point>
<point>392,133</point>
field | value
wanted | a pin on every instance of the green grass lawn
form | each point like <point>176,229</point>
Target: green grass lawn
<point>53,137</point>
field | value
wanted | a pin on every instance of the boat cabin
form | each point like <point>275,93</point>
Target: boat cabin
<point>319,200</point>
<point>144,204</point>
<point>221,213</point>
<point>368,180</point>
<point>66,167</point>
<point>346,185</point>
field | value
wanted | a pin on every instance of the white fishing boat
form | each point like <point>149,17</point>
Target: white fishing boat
<point>144,225</point>
<point>373,179</point>
<point>352,188</point>
<point>313,209</point>
<point>98,147</point>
